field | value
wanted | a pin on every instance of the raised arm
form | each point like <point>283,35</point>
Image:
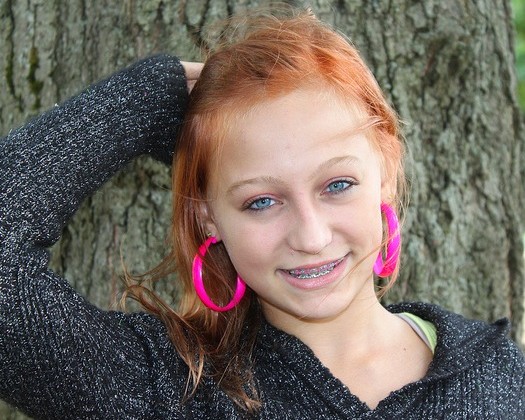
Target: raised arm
<point>52,163</point>
<point>58,353</point>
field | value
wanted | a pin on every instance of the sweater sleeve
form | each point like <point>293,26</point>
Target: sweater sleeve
<point>61,357</point>
<point>509,399</point>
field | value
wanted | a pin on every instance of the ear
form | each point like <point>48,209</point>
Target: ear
<point>205,218</point>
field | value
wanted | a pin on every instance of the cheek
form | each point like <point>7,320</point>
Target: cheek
<point>363,222</point>
<point>253,261</point>
<point>251,250</point>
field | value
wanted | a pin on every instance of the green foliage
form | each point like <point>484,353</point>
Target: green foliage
<point>519,21</point>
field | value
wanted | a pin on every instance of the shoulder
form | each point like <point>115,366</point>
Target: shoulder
<point>454,325</point>
<point>474,358</point>
<point>463,341</point>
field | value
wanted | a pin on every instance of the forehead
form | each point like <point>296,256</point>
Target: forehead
<point>291,133</point>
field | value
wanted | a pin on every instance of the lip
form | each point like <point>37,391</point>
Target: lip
<point>315,276</point>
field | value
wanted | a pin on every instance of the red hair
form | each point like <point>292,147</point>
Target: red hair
<point>274,56</point>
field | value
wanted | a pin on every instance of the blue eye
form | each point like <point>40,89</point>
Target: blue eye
<point>338,186</point>
<point>261,203</point>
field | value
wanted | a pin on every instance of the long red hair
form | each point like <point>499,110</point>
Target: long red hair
<point>264,57</point>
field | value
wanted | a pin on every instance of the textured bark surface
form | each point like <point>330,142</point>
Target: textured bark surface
<point>446,66</point>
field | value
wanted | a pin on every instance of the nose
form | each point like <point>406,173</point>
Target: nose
<point>310,230</point>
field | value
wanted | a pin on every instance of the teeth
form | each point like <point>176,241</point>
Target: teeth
<point>313,273</point>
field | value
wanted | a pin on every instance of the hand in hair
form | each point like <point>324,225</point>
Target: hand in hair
<point>193,71</point>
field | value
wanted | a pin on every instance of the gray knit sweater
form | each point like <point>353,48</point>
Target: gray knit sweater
<point>62,358</point>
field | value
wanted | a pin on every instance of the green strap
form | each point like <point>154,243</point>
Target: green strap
<point>427,328</point>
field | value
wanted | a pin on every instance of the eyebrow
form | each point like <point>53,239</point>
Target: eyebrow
<point>277,181</point>
<point>257,180</point>
<point>336,161</point>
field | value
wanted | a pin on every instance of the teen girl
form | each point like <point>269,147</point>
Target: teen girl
<point>286,181</point>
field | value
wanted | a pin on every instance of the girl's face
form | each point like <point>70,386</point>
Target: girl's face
<point>296,201</point>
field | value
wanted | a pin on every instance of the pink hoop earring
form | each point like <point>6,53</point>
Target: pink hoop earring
<point>386,268</point>
<point>199,284</point>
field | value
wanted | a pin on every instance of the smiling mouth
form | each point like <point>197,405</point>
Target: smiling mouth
<point>312,273</point>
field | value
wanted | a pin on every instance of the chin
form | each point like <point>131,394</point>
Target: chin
<point>321,310</point>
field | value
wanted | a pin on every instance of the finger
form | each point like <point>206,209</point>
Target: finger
<point>192,69</point>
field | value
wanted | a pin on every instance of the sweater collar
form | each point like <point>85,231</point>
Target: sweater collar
<point>461,342</point>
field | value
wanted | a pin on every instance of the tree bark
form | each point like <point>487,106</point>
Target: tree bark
<point>446,66</point>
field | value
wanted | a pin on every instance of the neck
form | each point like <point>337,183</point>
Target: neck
<point>355,329</point>
<point>370,350</point>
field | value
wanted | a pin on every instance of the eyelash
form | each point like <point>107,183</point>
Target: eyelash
<point>249,204</point>
<point>350,183</point>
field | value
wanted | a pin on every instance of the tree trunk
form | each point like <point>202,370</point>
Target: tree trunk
<point>446,66</point>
